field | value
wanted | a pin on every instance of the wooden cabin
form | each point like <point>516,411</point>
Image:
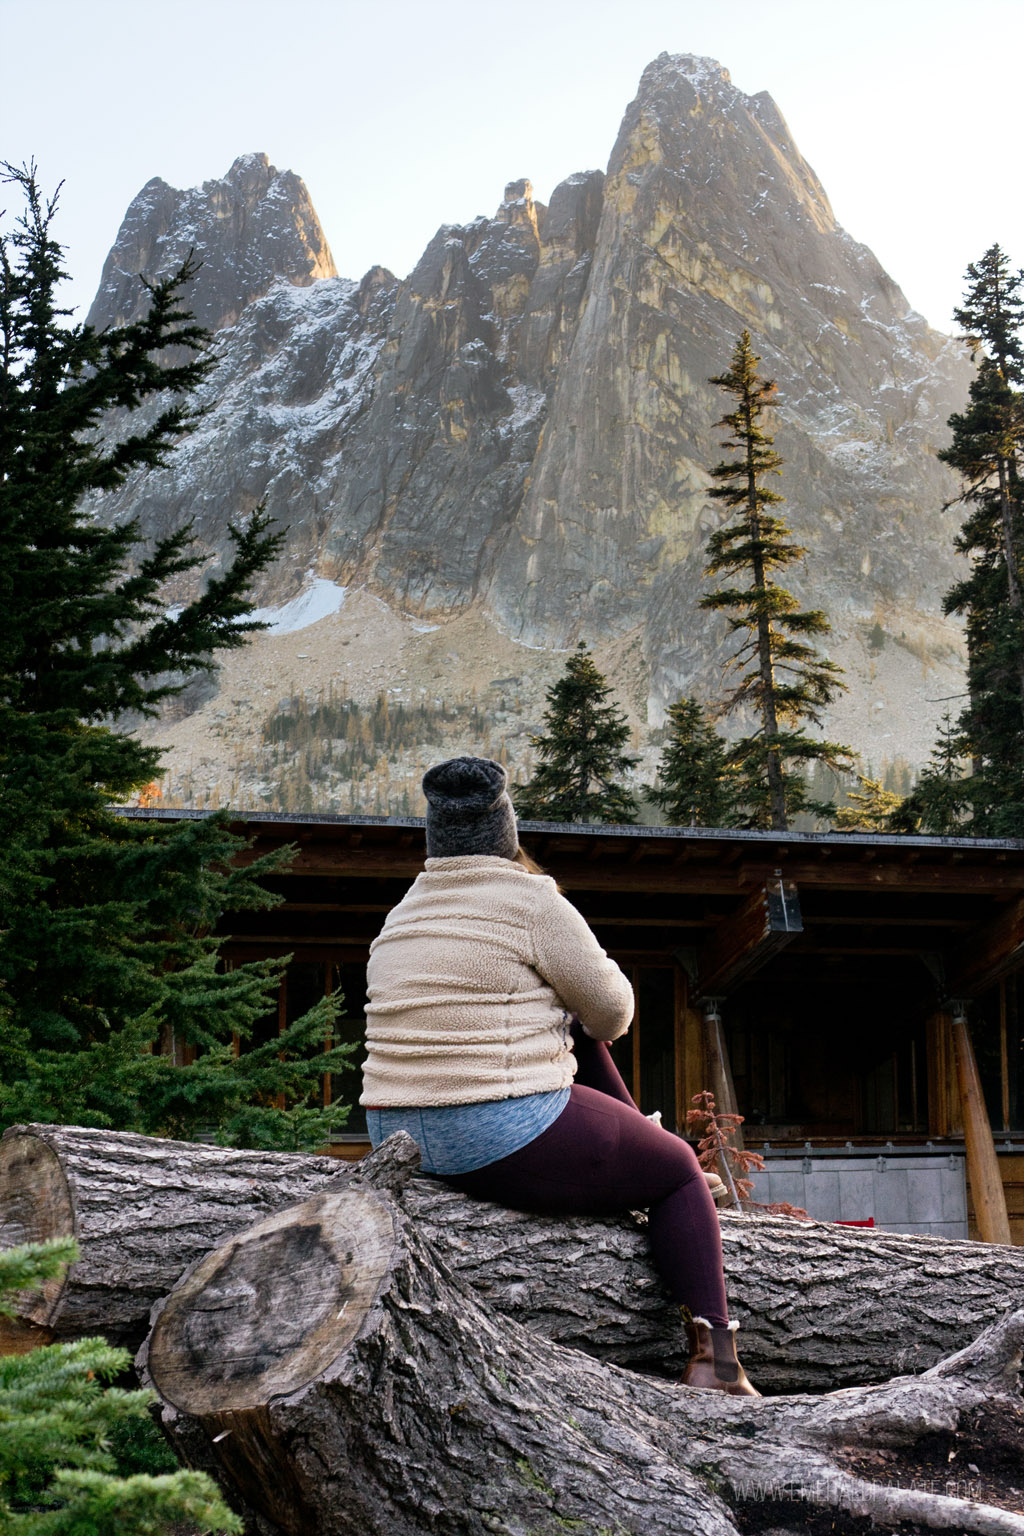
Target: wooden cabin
<point>838,989</point>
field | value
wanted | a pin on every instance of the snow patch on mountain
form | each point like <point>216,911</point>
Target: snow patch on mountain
<point>315,602</point>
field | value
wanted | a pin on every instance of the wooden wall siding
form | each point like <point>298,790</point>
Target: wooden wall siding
<point>944,1116</point>
<point>1011,1169</point>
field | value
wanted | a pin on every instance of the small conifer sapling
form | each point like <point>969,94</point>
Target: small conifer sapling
<point>869,808</point>
<point>695,786</point>
<point>582,751</point>
<point>62,1426</point>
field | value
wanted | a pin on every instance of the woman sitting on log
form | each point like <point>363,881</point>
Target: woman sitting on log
<point>490,1005</point>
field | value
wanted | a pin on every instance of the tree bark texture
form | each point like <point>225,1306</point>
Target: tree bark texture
<point>821,1306</point>
<point>341,1381</point>
<point>141,1209</point>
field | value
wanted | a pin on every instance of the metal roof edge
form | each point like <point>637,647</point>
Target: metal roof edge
<point>753,837</point>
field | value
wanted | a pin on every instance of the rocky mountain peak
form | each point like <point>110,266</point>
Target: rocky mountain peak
<point>514,441</point>
<point>248,228</point>
<point>702,72</point>
<point>517,206</point>
<point>689,119</point>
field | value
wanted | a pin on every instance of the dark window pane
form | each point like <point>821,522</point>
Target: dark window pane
<point>837,1055</point>
<point>305,984</point>
<point>992,1019</point>
<point>350,1028</point>
<point>656,1012</point>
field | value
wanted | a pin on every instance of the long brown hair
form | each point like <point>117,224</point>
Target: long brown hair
<point>530,864</point>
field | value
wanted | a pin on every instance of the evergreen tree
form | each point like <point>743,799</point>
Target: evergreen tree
<point>781,676</point>
<point>694,785</point>
<point>870,808</point>
<point>106,921</point>
<point>579,777</point>
<point>988,438</point>
<point>942,801</point>
<point>59,1462</point>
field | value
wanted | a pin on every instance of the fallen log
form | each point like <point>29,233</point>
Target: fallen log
<point>341,1381</point>
<point>141,1210</point>
<point>821,1306</point>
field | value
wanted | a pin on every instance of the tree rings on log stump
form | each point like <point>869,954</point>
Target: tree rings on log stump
<point>141,1209</point>
<point>36,1205</point>
<point>261,1317</point>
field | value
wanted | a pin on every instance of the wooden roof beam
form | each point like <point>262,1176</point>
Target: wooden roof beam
<point>940,878</point>
<point>988,955</point>
<point>747,939</point>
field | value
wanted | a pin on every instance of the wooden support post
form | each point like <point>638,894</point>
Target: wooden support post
<point>679,1010</point>
<point>1004,1059</point>
<point>691,1063</point>
<point>982,1163</point>
<point>635,1038</point>
<point>944,1116</point>
<point>720,1071</point>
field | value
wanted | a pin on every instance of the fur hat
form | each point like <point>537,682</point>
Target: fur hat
<point>468,810</point>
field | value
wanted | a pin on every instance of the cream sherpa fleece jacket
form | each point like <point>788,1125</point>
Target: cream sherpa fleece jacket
<point>471,984</point>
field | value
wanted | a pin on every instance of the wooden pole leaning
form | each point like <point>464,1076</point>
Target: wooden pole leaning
<point>982,1164</point>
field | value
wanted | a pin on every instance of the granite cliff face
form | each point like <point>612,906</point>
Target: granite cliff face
<point>712,221</point>
<point>255,225</point>
<point>515,439</point>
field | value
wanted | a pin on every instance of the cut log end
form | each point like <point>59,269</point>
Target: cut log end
<point>264,1315</point>
<point>35,1206</point>
<point>141,1211</point>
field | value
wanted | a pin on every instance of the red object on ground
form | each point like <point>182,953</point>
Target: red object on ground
<point>869,1223</point>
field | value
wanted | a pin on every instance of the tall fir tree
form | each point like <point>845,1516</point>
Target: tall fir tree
<point>782,678</point>
<point>106,921</point>
<point>583,764</point>
<point>941,803</point>
<point>694,786</point>
<point>988,439</point>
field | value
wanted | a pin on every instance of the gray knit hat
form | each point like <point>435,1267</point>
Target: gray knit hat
<point>468,810</point>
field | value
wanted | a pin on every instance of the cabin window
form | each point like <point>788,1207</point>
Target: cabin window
<point>646,1057</point>
<point>828,1057</point>
<point>995,1023</point>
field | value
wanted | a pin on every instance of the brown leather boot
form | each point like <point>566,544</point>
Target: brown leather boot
<point>713,1366</point>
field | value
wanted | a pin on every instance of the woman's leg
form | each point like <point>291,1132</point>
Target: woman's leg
<point>595,1067</point>
<point>601,1157</point>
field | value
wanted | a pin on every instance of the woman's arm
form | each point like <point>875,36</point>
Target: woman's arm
<point>569,958</point>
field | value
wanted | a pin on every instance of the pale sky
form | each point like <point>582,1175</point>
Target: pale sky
<point>403,116</point>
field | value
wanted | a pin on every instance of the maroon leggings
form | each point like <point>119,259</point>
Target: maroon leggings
<point>602,1156</point>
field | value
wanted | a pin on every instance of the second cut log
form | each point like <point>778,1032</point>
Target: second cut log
<point>340,1381</point>
<point>821,1306</point>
